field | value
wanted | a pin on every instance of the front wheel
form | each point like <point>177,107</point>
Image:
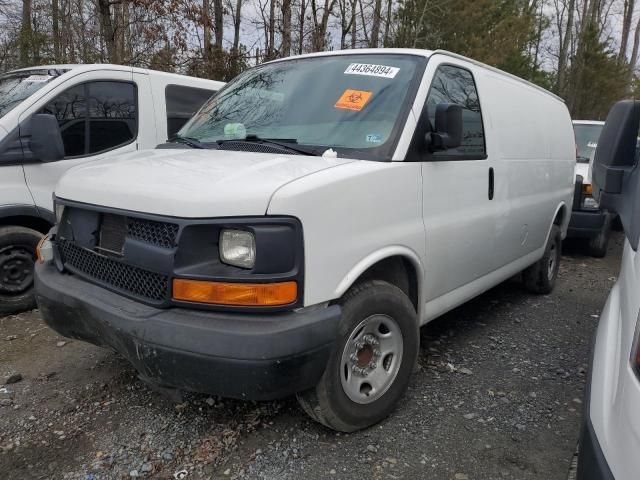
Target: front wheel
<point>371,364</point>
<point>541,276</point>
<point>17,259</point>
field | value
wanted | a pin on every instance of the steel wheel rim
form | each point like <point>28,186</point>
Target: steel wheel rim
<point>552,261</point>
<point>371,358</point>
<point>16,269</point>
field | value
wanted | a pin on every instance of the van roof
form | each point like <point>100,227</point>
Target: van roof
<point>423,53</point>
<point>107,66</point>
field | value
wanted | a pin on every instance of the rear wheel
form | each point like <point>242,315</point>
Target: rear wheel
<point>541,276</point>
<point>371,364</point>
<point>598,244</point>
<point>17,260</point>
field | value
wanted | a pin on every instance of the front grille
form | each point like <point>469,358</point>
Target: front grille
<point>161,234</point>
<point>122,277</point>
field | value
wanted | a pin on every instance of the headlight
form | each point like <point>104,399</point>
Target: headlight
<point>238,248</point>
<point>590,202</point>
<point>59,212</point>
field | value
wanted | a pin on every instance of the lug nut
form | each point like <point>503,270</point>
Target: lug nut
<point>373,366</point>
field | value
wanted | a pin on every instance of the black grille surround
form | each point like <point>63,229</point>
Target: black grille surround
<point>117,275</point>
<point>158,249</point>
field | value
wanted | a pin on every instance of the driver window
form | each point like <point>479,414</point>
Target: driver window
<point>456,85</point>
<point>95,117</point>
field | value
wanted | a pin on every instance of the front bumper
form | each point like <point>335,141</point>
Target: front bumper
<point>585,223</point>
<point>248,356</point>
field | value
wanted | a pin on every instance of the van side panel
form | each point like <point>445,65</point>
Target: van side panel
<point>533,145</point>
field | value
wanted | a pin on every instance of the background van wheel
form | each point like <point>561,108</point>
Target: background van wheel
<point>598,244</point>
<point>17,259</point>
<point>371,365</point>
<point>541,276</point>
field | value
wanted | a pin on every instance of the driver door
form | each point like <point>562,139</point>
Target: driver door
<point>97,115</point>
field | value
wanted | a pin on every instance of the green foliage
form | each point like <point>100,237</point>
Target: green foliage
<point>597,78</point>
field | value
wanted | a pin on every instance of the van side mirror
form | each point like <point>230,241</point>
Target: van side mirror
<point>616,180</point>
<point>44,142</point>
<point>447,129</point>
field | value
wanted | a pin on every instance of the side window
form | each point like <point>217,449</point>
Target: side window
<point>456,85</point>
<point>182,103</point>
<point>96,116</point>
<point>112,115</point>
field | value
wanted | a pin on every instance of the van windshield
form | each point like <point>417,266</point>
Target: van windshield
<point>355,104</point>
<point>18,86</point>
<point>587,136</point>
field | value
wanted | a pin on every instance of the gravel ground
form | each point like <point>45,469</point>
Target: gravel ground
<point>497,395</point>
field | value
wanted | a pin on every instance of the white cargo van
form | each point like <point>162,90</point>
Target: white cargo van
<point>99,109</point>
<point>610,438</point>
<point>329,206</point>
<point>588,220</point>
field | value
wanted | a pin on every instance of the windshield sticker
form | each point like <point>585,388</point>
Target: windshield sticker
<point>592,144</point>
<point>38,78</point>
<point>235,131</point>
<point>353,100</point>
<point>374,138</point>
<point>372,70</point>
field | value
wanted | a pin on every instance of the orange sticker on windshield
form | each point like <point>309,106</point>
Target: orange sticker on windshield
<point>353,100</point>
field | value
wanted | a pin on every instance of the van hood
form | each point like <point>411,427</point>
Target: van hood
<point>188,183</point>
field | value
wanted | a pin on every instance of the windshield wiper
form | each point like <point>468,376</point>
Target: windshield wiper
<point>190,141</point>
<point>286,143</point>
<point>582,159</point>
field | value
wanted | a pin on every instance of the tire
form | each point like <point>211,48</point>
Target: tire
<point>17,260</point>
<point>541,277</point>
<point>598,244</point>
<point>372,311</point>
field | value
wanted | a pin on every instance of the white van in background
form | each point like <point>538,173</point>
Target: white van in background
<point>328,206</point>
<point>99,109</point>
<point>588,220</point>
<point>610,439</point>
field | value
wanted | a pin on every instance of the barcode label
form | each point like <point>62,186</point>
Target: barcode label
<point>383,71</point>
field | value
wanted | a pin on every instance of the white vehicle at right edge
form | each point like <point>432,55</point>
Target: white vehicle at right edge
<point>610,439</point>
<point>328,206</point>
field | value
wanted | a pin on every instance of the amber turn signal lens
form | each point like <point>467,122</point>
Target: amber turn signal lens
<point>241,294</point>
<point>588,189</point>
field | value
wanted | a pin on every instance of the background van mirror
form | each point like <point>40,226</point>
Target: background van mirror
<point>616,181</point>
<point>45,143</point>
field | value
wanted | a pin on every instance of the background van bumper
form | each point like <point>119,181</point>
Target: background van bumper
<point>239,355</point>
<point>585,224</point>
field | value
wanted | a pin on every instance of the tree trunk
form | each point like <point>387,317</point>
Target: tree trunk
<point>354,20</point>
<point>564,48</point>
<point>387,25</point>
<point>303,12</point>
<point>285,50</point>
<point>375,26</point>
<point>108,32</point>
<point>218,12</point>
<point>272,29</point>
<point>26,35</point>
<point>236,27</point>
<point>206,34</point>
<point>55,29</point>
<point>634,52</point>
<point>626,29</point>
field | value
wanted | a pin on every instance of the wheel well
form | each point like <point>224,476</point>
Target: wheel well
<point>560,216</point>
<point>397,271</point>
<point>35,223</point>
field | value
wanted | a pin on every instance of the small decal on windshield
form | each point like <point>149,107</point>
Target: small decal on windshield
<point>371,70</point>
<point>353,100</point>
<point>374,138</point>
<point>37,78</point>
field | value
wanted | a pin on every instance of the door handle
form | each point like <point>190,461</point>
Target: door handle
<point>491,183</point>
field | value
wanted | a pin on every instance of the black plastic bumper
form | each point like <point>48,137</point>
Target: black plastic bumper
<point>586,224</point>
<point>248,356</point>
